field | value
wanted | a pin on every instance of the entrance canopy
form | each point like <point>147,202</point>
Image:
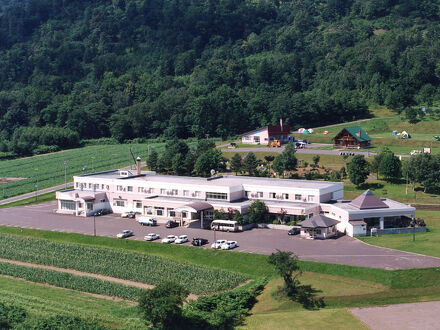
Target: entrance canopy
<point>194,207</point>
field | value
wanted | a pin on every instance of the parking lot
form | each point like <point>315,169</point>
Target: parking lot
<point>344,250</point>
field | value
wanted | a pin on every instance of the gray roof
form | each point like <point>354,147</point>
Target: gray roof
<point>368,200</point>
<point>199,206</point>
<point>318,221</point>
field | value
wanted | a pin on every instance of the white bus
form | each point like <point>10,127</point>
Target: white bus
<point>225,225</point>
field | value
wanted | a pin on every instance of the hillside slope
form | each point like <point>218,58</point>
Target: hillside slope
<point>148,68</point>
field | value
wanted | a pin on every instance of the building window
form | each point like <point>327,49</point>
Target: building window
<point>297,197</point>
<point>89,206</point>
<point>119,202</point>
<point>247,193</point>
<point>137,204</point>
<point>259,194</point>
<point>68,205</point>
<point>148,210</point>
<point>285,196</point>
<point>102,187</point>
<point>311,198</point>
<point>197,193</point>
<point>185,193</point>
<point>102,201</point>
<point>247,137</point>
<point>162,191</point>
<point>257,139</point>
<point>90,186</point>
<point>141,189</point>
<point>96,186</point>
<point>159,211</point>
<point>216,195</point>
<point>77,184</point>
<point>129,188</point>
<point>272,195</point>
<point>174,192</point>
<point>119,188</point>
<point>184,214</point>
<point>171,213</point>
<point>150,190</point>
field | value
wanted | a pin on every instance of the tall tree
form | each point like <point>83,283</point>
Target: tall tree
<point>236,163</point>
<point>358,170</point>
<point>250,163</point>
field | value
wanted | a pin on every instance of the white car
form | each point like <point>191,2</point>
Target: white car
<point>124,234</point>
<point>181,239</point>
<point>147,221</point>
<point>130,215</point>
<point>218,243</point>
<point>151,237</point>
<point>229,245</point>
<point>169,239</point>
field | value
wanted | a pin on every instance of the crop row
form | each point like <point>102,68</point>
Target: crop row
<point>121,264</point>
<point>49,169</point>
<point>70,281</point>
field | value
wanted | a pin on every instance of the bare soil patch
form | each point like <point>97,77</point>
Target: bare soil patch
<point>6,179</point>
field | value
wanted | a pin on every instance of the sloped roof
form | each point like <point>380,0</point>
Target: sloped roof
<point>318,221</point>
<point>354,131</point>
<point>195,207</point>
<point>368,200</point>
<point>272,130</point>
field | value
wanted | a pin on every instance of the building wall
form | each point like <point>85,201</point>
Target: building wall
<point>252,137</point>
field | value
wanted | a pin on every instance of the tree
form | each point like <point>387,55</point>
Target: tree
<point>390,166</point>
<point>238,217</point>
<point>257,212</point>
<point>211,160</point>
<point>286,264</point>
<point>236,163</point>
<point>316,159</point>
<point>178,164</point>
<point>162,306</point>
<point>250,163</point>
<point>286,161</point>
<point>152,160</point>
<point>358,170</point>
<point>377,159</point>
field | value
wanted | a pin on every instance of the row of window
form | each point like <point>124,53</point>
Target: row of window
<point>298,197</point>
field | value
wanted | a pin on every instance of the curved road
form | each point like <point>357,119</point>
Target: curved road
<point>344,250</point>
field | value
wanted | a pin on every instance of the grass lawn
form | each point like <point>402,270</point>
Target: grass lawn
<point>425,243</point>
<point>41,300</point>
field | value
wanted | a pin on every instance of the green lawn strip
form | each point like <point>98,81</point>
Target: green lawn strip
<point>70,281</point>
<point>43,301</point>
<point>304,319</point>
<point>118,263</point>
<point>46,197</point>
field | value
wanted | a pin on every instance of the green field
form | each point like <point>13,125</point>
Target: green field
<point>48,169</point>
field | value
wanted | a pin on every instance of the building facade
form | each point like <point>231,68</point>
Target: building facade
<point>266,135</point>
<point>352,137</point>
<point>194,199</point>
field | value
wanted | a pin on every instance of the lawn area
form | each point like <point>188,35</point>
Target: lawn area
<point>47,197</point>
<point>425,243</point>
<point>41,300</point>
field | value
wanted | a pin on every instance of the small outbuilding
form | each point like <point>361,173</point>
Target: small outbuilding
<point>352,137</point>
<point>318,226</point>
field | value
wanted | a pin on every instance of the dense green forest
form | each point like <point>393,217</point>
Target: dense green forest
<point>182,68</point>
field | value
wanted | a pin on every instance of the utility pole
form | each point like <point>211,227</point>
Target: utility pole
<point>94,225</point>
<point>65,175</point>
<point>36,185</point>
<point>93,166</point>
<point>407,182</point>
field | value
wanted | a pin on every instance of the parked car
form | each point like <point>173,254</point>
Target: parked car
<point>294,231</point>
<point>229,245</point>
<point>198,241</point>
<point>151,237</point>
<point>147,221</point>
<point>124,234</point>
<point>169,239</point>
<point>100,212</point>
<point>171,224</point>
<point>218,243</point>
<point>129,215</point>
<point>181,239</point>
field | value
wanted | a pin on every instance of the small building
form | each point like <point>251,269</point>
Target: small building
<point>267,134</point>
<point>318,226</point>
<point>352,137</point>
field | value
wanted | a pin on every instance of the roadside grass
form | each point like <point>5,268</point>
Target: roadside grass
<point>42,301</point>
<point>425,243</point>
<point>46,197</point>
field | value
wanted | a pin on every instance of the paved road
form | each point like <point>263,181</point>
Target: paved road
<point>345,250</point>
<point>32,194</point>
<point>423,315</point>
<point>309,150</point>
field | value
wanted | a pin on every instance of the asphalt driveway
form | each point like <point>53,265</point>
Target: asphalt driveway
<point>344,250</point>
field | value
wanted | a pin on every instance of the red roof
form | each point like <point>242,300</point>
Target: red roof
<point>277,129</point>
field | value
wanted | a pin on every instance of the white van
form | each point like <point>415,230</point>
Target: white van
<point>224,225</point>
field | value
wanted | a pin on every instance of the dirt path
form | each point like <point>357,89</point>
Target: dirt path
<point>80,273</point>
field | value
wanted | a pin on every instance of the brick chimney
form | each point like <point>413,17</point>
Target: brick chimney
<point>138,166</point>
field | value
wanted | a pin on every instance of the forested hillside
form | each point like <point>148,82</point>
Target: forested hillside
<point>180,68</point>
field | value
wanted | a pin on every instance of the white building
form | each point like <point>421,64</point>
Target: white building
<point>188,199</point>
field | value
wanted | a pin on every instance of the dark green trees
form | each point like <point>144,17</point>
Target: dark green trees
<point>257,212</point>
<point>286,161</point>
<point>236,163</point>
<point>358,170</point>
